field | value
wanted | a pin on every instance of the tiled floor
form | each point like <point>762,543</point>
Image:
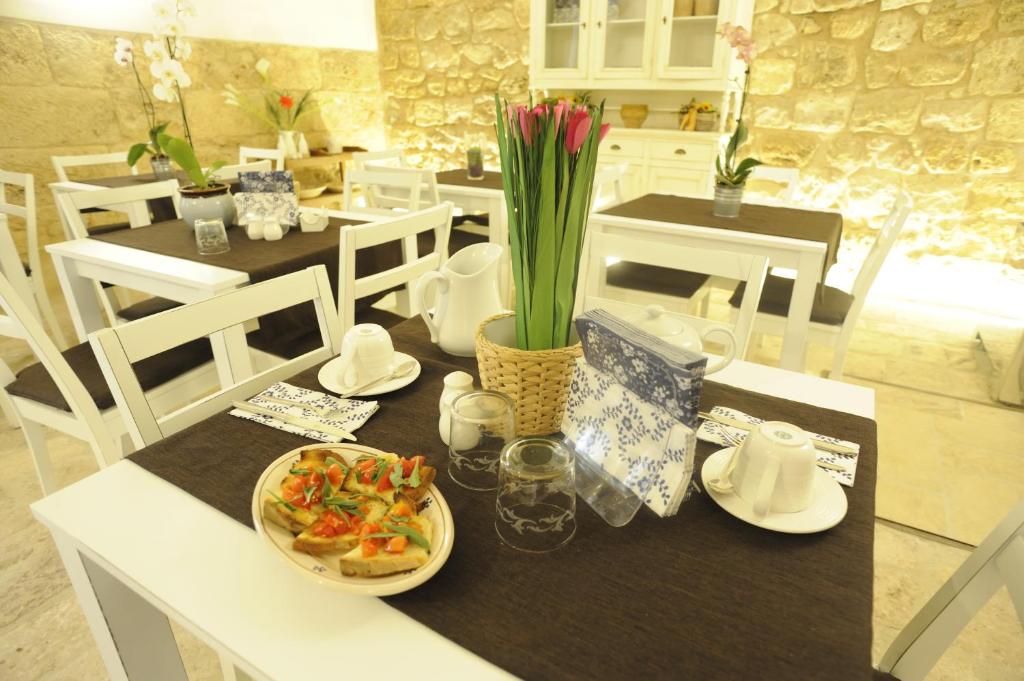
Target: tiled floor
<point>950,463</point>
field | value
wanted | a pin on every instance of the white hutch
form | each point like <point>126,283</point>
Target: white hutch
<point>658,53</point>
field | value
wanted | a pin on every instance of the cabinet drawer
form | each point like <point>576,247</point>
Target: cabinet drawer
<point>661,180</point>
<point>617,147</point>
<point>682,151</point>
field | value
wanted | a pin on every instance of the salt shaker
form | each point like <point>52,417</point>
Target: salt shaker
<point>455,384</point>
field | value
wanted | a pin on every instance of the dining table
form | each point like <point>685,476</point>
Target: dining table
<point>803,240</point>
<point>168,534</point>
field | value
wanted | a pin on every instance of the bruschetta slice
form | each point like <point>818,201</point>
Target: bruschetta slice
<point>388,475</point>
<point>318,474</point>
<point>337,528</point>
<point>399,542</point>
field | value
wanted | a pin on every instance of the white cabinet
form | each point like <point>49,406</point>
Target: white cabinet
<point>632,44</point>
<point>662,161</point>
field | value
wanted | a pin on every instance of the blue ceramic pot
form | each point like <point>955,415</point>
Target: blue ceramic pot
<point>214,202</point>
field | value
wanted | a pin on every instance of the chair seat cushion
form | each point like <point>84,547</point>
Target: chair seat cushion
<point>831,305</point>
<point>482,219</point>
<point>882,676</point>
<point>34,382</point>
<point>106,229</point>
<point>654,279</point>
<point>304,340</point>
<point>147,307</point>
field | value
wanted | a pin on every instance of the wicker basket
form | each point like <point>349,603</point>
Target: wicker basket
<point>536,380</point>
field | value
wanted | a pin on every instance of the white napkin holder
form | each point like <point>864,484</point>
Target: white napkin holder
<point>313,220</point>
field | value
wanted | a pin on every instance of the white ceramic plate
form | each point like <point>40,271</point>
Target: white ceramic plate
<point>325,568</point>
<point>330,377</point>
<point>827,509</point>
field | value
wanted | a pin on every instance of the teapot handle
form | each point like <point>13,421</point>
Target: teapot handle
<point>730,351</point>
<point>433,322</point>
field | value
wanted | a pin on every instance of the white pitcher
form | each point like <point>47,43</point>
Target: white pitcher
<point>467,294</point>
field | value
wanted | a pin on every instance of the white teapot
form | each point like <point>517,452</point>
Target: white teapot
<point>671,329</point>
<point>366,353</point>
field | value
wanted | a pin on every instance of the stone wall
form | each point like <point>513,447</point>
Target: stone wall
<point>62,93</point>
<point>441,62</point>
<point>867,96</point>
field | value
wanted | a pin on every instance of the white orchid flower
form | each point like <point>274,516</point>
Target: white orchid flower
<point>262,66</point>
<point>186,8</point>
<point>164,92</point>
<point>165,10</point>
<point>182,49</point>
<point>123,52</point>
<point>168,28</point>
<point>170,71</point>
<point>155,49</point>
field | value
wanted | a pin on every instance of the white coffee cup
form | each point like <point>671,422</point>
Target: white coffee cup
<point>774,469</point>
<point>366,353</point>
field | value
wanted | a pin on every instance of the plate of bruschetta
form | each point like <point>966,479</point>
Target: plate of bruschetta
<point>355,518</point>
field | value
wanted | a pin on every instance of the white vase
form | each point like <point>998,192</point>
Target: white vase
<point>292,143</point>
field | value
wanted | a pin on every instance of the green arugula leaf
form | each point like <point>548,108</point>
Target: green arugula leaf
<point>290,507</point>
<point>344,468</point>
<point>396,476</point>
<point>308,493</point>
<point>414,536</point>
<point>380,535</point>
<point>414,477</point>
<point>325,489</point>
<point>300,471</point>
<point>382,466</point>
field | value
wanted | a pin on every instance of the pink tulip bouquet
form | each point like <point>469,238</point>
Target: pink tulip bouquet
<point>729,172</point>
<point>548,156</point>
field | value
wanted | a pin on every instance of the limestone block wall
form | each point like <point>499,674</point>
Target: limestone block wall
<point>441,62</point>
<point>62,93</point>
<point>868,96</point>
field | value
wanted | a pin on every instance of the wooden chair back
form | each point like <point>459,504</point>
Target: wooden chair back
<point>119,347</point>
<point>229,173</point>
<point>634,248</point>
<point>128,200</point>
<point>386,158</point>
<point>789,178</point>
<point>609,189</point>
<point>247,155</point>
<point>998,561</point>
<point>387,190</point>
<point>404,229</point>
<point>62,163</point>
<point>10,259</point>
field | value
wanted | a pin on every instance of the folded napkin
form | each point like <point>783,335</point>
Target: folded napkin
<point>355,412</point>
<point>658,372</point>
<point>272,181</point>
<point>624,438</point>
<point>282,207</point>
<point>729,436</point>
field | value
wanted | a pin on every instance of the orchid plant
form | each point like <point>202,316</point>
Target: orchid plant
<point>276,108</point>
<point>729,172</point>
<point>548,155</point>
<point>182,153</point>
<point>124,55</point>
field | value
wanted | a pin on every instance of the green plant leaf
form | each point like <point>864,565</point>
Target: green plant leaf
<point>181,153</point>
<point>136,152</point>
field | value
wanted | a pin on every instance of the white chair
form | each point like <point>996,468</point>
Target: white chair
<point>834,312</point>
<point>119,347</point>
<point>62,163</point>
<point>38,298</point>
<point>229,173</point>
<point>609,186</point>
<point>592,292</point>
<point>998,561</point>
<point>387,158</point>
<point>390,190</point>
<point>66,391</point>
<point>405,229</point>
<point>787,178</point>
<point>247,155</point>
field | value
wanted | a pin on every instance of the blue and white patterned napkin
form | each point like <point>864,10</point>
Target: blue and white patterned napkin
<point>731,436</point>
<point>630,440</point>
<point>658,372</point>
<point>282,207</point>
<point>267,181</point>
<point>354,412</point>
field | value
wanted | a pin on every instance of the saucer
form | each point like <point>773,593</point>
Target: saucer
<point>827,509</point>
<point>330,377</point>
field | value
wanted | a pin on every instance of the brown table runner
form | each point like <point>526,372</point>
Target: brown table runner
<point>460,177</point>
<point>701,595</point>
<point>810,225</point>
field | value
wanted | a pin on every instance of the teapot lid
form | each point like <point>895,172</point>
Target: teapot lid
<point>655,322</point>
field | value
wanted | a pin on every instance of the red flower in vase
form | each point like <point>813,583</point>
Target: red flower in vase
<point>286,101</point>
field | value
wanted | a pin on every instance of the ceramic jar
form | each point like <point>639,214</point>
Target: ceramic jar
<point>633,115</point>
<point>212,203</point>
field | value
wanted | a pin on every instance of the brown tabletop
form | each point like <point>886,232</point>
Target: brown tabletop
<point>794,223</point>
<point>700,595</point>
<point>162,209</point>
<point>460,178</point>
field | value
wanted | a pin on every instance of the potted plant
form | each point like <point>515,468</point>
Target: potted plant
<point>731,177</point>
<point>277,109</point>
<point>548,155</point>
<point>205,198</point>
<point>158,159</point>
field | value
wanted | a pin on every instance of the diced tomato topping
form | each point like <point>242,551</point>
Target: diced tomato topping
<point>296,485</point>
<point>366,469</point>
<point>401,509</point>
<point>369,547</point>
<point>335,475</point>
<point>384,484</point>
<point>315,479</point>
<point>397,544</point>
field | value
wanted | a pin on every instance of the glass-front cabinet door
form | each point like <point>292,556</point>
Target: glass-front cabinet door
<point>688,44</point>
<point>623,38</point>
<point>562,31</point>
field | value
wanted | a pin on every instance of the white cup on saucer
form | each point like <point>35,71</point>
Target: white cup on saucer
<point>366,353</point>
<point>774,469</point>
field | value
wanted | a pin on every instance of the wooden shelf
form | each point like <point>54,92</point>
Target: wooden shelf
<point>618,22</point>
<point>704,17</point>
<point>566,24</point>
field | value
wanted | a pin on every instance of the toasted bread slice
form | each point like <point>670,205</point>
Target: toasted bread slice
<point>293,520</point>
<point>292,516</point>
<point>355,564</point>
<point>310,541</point>
<point>354,481</point>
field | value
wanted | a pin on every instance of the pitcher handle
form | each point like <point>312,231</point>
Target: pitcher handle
<point>730,351</point>
<point>433,322</point>
<point>766,486</point>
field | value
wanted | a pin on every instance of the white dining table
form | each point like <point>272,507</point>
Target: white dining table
<point>805,256</point>
<point>188,562</point>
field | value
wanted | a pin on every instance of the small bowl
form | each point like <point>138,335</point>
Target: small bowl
<point>312,192</point>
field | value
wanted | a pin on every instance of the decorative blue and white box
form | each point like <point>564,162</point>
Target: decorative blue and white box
<point>628,450</point>
<point>658,372</point>
<point>267,181</point>
<point>282,207</point>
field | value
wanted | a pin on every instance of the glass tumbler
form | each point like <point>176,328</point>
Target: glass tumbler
<point>536,506</point>
<point>482,423</point>
<point>211,237</point>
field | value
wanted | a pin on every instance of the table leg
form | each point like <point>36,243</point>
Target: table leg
<point>798,320</point>
<point>134,638</point>
<point>80,294</point>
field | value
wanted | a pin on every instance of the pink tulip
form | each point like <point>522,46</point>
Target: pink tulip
<point>524,126</point>
<point>577,130</point>
<point>605,127</point>
<point>560,111</point>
